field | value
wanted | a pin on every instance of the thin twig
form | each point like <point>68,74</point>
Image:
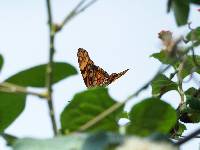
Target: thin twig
<point>13,88</point>
<point>49,75</point>
<point>198,136</point>
<point>194,58</point>
<point>76,11</point>
<point>187,138</point>
<point>86,6</point>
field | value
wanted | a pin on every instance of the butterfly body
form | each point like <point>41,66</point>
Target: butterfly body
<point>93,75</point>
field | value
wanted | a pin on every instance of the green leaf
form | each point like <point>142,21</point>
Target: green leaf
<point>189,66</point>
<point>150,116</point>
<point>181,10</point>
<point>10,108</point>
<point>193,98</point>
<point>162,84</point>
<point>124,114</point>
<point>194,36</point>
<point>163,57</point>
<point>35,76</point>
<point>192,92</point>
<point>188,115</point>
<point>87,105</point>
<point>72,142</point>
<point>197,2</point>
<point>102,141</point>
<point>1,62</point>
<point>178,130</point>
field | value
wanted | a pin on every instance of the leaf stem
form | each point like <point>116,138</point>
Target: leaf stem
<point>49,75</point>
<point>13,88</point>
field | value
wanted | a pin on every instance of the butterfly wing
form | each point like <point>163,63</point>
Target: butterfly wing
<point>92,75</point>
<point>115,76</point>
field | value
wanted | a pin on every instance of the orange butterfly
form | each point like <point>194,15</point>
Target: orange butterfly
<point>93,75</point>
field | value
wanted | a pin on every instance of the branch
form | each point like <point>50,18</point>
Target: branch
<point>49,75</point>
<point>76,11</point>
<point>180,80</point>
<point>13,88</point>
<point>187,138</point>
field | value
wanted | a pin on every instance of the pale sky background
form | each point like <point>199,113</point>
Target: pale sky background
<point>118,34</point>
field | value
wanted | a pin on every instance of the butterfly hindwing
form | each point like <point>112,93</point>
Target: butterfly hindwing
<point>93,75</point>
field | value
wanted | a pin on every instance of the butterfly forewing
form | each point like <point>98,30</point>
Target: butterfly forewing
<point>93,75</point>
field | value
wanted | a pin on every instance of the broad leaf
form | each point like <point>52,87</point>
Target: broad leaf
<point>86,106</point>
<point>73,142</point>
<point>194,35</point>
<point>181,10</point>
<point>1,62</point>
<point>11,105</point>
<point>193,98</point>
<point>35,76</point>
<point>163,57</point>
<point>150,116</point>
<point>162,84</point>
<point>188,115</point>
<point>189,66</point>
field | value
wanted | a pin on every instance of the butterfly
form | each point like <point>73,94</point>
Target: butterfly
<point>93,75</point>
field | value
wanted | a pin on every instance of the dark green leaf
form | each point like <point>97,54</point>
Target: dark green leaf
<point>195,2</point>
<point>192,92</point>
<point>163,57</point>
<point>102,141</point>
<point>188,115</point>
<point>72,142</point>
<point>194,35</point>
<point>150,116</point>
<point>35,76</point>
<point>1,62</point>
<point>178,130</point>
<point>10,108</point>
<point>181,10</point>
<point>189,66</point>
<point>10,139</point>
<point>87,105</point>
<point>162,84</point>
<point>194,102</point>
<point>124,114</point>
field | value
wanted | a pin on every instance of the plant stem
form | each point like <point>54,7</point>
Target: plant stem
<point>76,11</point>
<point>49,75</point>
<point>180,80</point>
<point>187,138</point>
<point>13,88</point>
